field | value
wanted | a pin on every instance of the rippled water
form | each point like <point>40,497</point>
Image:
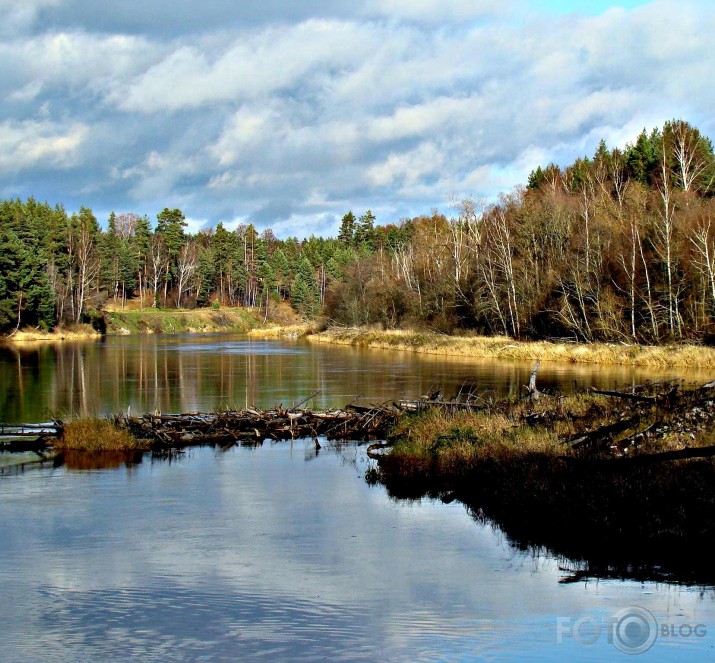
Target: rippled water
<point>278,553</point>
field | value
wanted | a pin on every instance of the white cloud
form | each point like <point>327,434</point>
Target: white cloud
<point>407,168</point>
<point>253,66</point>
<point>20,15</point>
<point>392,105</point>
<point>39,144</point>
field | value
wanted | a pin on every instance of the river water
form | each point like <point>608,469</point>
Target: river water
<point>277,552</point>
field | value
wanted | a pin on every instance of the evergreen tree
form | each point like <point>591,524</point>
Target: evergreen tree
<point>170,226</point>
<point>347,229</point>
<point>642,158</point>
<point>365,233</point>
<point>536,178</point>
<point>139,244</point>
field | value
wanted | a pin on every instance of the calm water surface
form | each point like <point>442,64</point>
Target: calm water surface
<point>185,373</point>
<point>278,553</point>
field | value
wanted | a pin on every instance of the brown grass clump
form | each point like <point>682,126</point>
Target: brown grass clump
<point>95,435</point>
<point>501,347</point>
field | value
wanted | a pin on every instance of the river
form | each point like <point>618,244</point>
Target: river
<point>279,552</point>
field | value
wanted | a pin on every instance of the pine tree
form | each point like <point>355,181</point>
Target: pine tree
<point>170,225</point>
<point>365,236</point>
<point>347,229</point>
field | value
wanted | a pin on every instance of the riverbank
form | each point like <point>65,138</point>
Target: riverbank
<point>302,330</point>
<point>500,347</point>
<point>70,333</point>
<point>116,322</point>
<point>623,480</point>
<point>165,321</point>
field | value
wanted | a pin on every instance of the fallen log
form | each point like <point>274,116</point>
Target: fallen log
<point>625,395</point>
<point>603,432</point>
<point>679,454</point>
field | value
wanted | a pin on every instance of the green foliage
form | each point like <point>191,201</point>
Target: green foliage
<point>347,229</point>
<point>365,236</point>
<point>536,178</point>
<point>642,158</point>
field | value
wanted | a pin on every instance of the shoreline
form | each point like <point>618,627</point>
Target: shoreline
<point>57,335</point>
<point>500,347</point>
<point>557,472</point>
<point>241,321</point>
<point>144,322</point>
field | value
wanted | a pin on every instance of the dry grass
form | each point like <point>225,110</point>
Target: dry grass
<point>500,347</point>
<point>68,333</point>
<point>96,435</point>
<point>454,444</point>
<point>287,331</point>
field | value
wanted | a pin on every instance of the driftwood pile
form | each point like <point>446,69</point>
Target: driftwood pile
<point>640,417</point>
<point>176,430</point>
<point>650,413</point>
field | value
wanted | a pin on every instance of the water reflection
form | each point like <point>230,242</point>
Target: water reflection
<point>103,460</point>
<point>251,554</point>
<point>175,373</point>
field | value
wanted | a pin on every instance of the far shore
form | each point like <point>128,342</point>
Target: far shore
<point>501,347</point>
<point>203,321</point>
<point>30,335</point>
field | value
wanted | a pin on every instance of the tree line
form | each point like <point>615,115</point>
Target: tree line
<point>57,267</point>
<point>619,246</point>
<point>616,247</point>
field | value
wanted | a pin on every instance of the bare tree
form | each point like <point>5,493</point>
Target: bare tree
<point>703,241</point>
<point>691,154</point>
<point>83,257</point>
<point>125,225</point>
<point>499,272</point>
<point>157,265</point>
<point>186,266</point>
<point>664,236</point>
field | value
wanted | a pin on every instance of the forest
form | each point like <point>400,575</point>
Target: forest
<point>618,247</point>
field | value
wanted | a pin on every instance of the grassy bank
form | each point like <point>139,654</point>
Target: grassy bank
<point>197,321</point>
<point>283,331</point>
<point>68,333</point>
<point>573,474</point>
<point>500,347</point>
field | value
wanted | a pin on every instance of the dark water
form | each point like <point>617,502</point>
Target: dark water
<point>276,553</point>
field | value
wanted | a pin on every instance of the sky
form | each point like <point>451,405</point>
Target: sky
<point>289,113</point>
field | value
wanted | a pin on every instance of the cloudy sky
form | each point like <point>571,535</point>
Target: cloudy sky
<point>288,113</point>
